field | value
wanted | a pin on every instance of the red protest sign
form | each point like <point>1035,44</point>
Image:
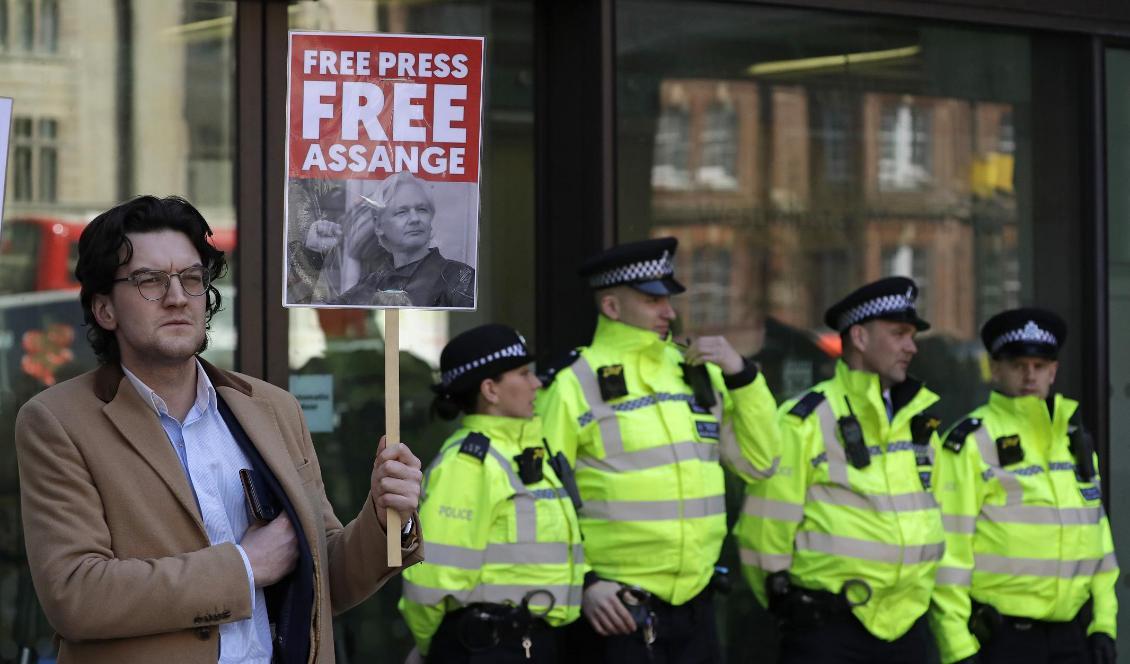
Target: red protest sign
<point>365,106</point>
<point>383,154</point>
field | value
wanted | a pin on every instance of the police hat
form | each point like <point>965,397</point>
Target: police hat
<point>891,298</point>
<point>645,266</point>
<point>480,353</point>
<point>1024,332</point>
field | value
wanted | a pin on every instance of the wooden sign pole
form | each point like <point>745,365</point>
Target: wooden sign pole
<point>392,420</point>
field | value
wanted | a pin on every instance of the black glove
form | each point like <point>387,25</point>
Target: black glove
<point>1102,648</point>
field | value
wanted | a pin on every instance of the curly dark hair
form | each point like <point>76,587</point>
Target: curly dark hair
<point>100,254</point>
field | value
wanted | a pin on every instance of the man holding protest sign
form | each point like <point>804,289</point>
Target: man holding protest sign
<point>645,422</point>
<point>175,511</point>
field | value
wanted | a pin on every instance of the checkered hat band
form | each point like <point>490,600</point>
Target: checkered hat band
<point>880,306</point>
<point>513,350</point>
<point>651,270</point>
<point>1030,333</point>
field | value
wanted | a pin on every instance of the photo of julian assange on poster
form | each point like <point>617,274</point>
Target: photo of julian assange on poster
<point>397,242</point>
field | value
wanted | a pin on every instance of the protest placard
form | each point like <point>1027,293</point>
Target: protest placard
<point>383,154</point>
<point>382,197</point>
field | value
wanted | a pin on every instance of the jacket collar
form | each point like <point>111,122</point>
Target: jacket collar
<point>135,420</point>
<point>506,432</point>
<point>863,388</point>
<point>622,337</point>
<point>1033,408</point>
<point>108,378</point>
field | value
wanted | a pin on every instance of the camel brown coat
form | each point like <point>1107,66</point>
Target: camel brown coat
<point>117,549</point>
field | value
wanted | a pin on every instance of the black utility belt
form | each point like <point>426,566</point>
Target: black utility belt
<point>481,627</point>
<point>504,616</point>
<point>985,620</point>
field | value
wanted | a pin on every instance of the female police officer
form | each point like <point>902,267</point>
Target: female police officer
<point>504,563</point>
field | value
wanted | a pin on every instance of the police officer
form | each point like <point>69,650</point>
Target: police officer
<point>647,421</point>
<point>842,543</point>
<point>505,565</point>
<point>1029,570</point>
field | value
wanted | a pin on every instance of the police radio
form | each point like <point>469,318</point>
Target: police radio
<point>1082,447</point>
<point>852,434</point>
<point>560,465</point>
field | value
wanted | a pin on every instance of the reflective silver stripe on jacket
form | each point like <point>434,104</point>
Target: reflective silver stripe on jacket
<point>603,414</point>
<point>653,457</point>
<point>1064,569</point>
<point>524,553</point>
<point>901,502</point>
<point>954,576</point>
<point>770,562</point>
<point>1014,493</point>
<point>525,503</point>
<point>959,524</point>
<point>563,595</point>
<point>645,401</point>
<point>773,509</point>
<point>837,458</point>
<point>850,547</point>
<point>1039,515</point>
<point>653,510</point>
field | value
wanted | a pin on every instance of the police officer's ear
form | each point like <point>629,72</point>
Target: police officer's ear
<point>488,391</point>
<point>608,303</point>
<point>858,337</point>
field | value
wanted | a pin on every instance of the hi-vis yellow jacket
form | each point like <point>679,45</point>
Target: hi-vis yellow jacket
<point>647,461</point>
<point>828,522</point>
<point>491,537</point>
<point>1027,535</point>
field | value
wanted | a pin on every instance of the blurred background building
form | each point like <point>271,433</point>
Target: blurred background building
<point>796,149</point>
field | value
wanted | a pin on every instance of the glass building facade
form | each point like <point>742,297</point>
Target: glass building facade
<point>795,149</point>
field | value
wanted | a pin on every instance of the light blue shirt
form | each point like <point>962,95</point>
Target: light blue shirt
<point>212,459</point>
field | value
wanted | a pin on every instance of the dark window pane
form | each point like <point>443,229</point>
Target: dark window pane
<point>48,174</point>
<point>4,25</point>
<point>21,173</point>
<point>19,249</point>
<point>26,17</point>
<point>49,25</point>
<point>48,128</point>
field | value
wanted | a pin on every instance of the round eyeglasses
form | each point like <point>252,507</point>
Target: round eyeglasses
<point>153,284</point>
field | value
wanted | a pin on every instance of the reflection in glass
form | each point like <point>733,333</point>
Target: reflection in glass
<point>798,154</point>
<point>105,115</point>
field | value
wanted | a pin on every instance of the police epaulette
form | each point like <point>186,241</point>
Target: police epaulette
<point>476,445</point>
<point>556,365</point>
<point>808,403</point>
<point>955,439</point>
